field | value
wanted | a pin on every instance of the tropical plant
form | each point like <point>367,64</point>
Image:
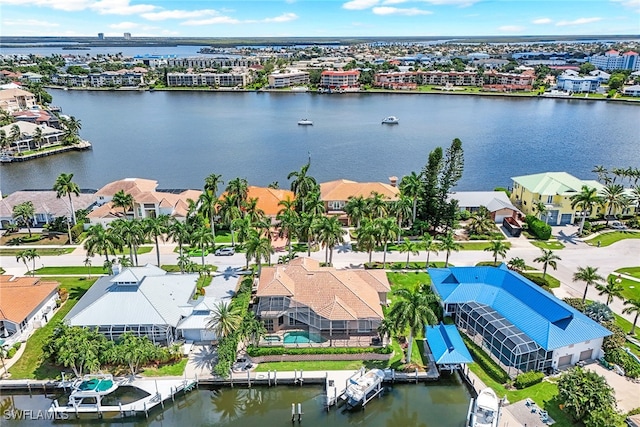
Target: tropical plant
<point>401,208</point>
<point>412,310</point>
<point>101,241</point>
<point>22,257</point>
<point>208,209</point>
<point>633,307</point>
<point>411,248</point>
<point>497,248</point>
<point>225,319</point>
<point>430,245</point>
<point>134,351</point>
<point>411,186</point>
<point>132,233</point>
<point>288,220</point>
<point>239,188</point>
<point>64,186</point>
<point>179,232</point>
<point>37,137</point>
<point>598,312</point>
<point>585,201</point>
<point>377,206</point>
<point>541,207</point>
<point>517,264</point>
<point>612,289</point>
<point>387,232</point>
<point>252,328</point>
<point>211,184</point>
<point>583,392</point>
<point>356,209</point>
<point>588,275</point>
<point>329,233</point>
<point>367,236</point>
<point>613,196</point>
<point>448,244</point>
<point>23,213</point>
<point>87,263</point>
<point>122,200</point>
<point>386,329</point>
<point>229,212</point>
<point>302,184</point>
<point>548,258</point>
<point>77,348</point>
<point>306,227</point>
<point>203,239</point>
<point>156,227</point>
<point>479,224</point>
<point>259,248</point>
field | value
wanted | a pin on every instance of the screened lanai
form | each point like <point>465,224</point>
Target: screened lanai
<point>508,345</point>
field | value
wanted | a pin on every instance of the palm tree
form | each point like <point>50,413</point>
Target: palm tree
<point>497,247</point>
<point>480,224</point>
<point>24,213</point>
<point>305,228</point>
<point>402,210</point>
<point>388,231</point>
<point>411,186</point>
<point>585,201</point>
<point>548,258</point>
<point>229,212</point>
<point>330,233</point>
<point>448,244</point>
<point>611,289</point>
<point>411,248</point>
<point>385,329</point>
<point>302,184</point>
<point>252,211</point>
<point>288,220</point>
<point>31,255</point>
<point>99,240</point>
<point>238,187</point>
<point>376,205</point>
<point>208,208</point>
<point>368,236</point>
<point>156,228</point>
<point>123,200</point>
<point>412,310</point>
<point>613,196</point>
<point>260,248</point>
<point>634,307</point>
<point>517,264</point>
<point>64,186</point>
<point>225,319</point>
<point>203,239</point>
<point>356,209</point>
<point>132,233</point>
<point>14,136</point>
<point>180,233</point>
<point>87,263</point>
<point>37,137</point>
<point>22,257</point>
<point>635,197</point>
<point>590,276</point>
<point>313,202</point>
<point>211,184</point>
<point>429,245</point>
<point>542,210</point>
<point>243,228</point>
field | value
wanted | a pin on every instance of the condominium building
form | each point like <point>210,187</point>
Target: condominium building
<point>613,60</point>
<point>287,78</point>
<point>340,79</point>
<point>213,61</point>
<point>231,79</point>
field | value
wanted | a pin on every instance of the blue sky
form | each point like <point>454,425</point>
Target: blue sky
<point>285,18</point>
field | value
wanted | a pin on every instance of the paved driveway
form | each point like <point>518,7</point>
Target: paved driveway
<point>627,391</point>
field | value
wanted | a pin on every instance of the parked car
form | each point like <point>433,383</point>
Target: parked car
<point>617,225</point>
<point>224,252</point>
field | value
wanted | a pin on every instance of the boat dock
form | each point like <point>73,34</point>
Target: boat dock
<point>19,157</point>
<point>160,390</point>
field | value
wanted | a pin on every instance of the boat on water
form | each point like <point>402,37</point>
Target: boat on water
<point>305,122</point>
<point>484,410</point>
<point>391,120</point>
<point>91,388</point>
<point>364,387</point>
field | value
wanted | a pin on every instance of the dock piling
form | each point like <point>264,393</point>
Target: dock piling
<point>299,412</point>
<point>120,407</point>
<point>146,412</point>
<point>416,375</point>
<point>249,378</point>
<point>275,377</point>
<point>301,379</point>
<point>269,377</point>
<point>293,412</point>
<point>231,377</point>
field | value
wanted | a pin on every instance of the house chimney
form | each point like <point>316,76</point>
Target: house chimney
<point>393,180</point>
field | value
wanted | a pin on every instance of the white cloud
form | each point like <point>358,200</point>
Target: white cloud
<point>359,4</point>
<point>179,14</point>
<point>511,28</point>
<point>28,23</point>
<point>394,1</point>
<point>285,17</point>
<point>631,4</point>
<point>120,7</point>
<point>386,10</point>
<point>542,21</point>
<point>579,21</point>
<point>124,26</point>
<point>212,21</point>
<point>66,5</point>
<point>461,3</point>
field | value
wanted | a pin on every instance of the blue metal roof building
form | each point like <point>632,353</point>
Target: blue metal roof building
<point>522,325</point>
<point>447,346</point>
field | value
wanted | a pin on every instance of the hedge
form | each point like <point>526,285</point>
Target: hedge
<point>488,365</point>
<point>278,351</point>
<point>538,228</point>
<point>625,361</point>
<point>528,379</point>
<point>538,280</point>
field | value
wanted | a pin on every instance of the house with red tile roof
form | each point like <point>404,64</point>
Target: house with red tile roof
<point>336,194</point>
<point>324,302</point>
<point>16,99</point>
<point>26,303</point>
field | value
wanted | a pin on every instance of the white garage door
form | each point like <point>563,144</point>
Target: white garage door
<point>586,355</point>
<point>499,218</point>
<point>207,335</point>
<point>564,361</point>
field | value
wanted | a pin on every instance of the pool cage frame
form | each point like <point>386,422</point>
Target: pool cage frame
<point>507,345</point>
<point>157,334</point>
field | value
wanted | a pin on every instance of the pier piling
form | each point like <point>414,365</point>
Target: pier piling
<point>299,412</point>
<point>120,407</point>
<point>275,377</point>
<point>249,378</point>
<point>293,412</point>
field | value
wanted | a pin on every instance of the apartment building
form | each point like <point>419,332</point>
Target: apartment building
<point>231,79</point>
<point>340,79</point>
<point>613,60</point>
<point>288,78</point>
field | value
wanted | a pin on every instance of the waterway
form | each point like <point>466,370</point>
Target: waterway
<point>433,405</point>
<point>180,137</point>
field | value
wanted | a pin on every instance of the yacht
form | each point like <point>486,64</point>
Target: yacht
<point>363,388</point>
<point>391,120</point>
<point>91,388</point>
<point>305,122</point>
<point>484,410</point>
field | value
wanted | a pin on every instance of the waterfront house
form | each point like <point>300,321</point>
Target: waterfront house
<point>336,194</point>
<point>146,301</point>
<point>16,99</point>
<point>497,202</point>
<point>269,199</point>
<point>38,116</point>
<point>27,137</point>
<point>632,90</point>
<point>26,304</point>
<point>147,201</point>
<point>520,325</point>
<point>578,84</point>
<point>322,301</point>
<point>46,204</point>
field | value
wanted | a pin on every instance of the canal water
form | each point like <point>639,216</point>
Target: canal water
<point>441,404</point>
<point>180,137</point>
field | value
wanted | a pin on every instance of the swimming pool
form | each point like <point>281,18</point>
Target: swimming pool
<point>302,337</point>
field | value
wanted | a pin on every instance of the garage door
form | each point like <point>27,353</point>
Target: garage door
<point>499,218</point>
<point>586,355</point>
<point>564,361</point>
<point>207,335</point>
<point>565,219</point>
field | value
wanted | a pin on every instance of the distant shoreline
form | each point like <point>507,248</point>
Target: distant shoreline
<point>371,92</point>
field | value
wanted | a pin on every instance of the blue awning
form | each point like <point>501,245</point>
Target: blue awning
<point>446,345</point>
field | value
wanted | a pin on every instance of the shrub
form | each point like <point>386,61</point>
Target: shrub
<point>63,294</point>
<point>77,230</point>
<point>488,365</point>
<point>11,352</point>
<point>463,215</point>
<point>616,340</point>
<point>31,239</point>
<point>538,228</point>
<point>576,303</point>
<point>506,191</point>
<point>587,226</point>
<point>599,312</point>
<point>278,351</point>
<point>625,361</point>
<point>528,379</point>
<point>17,345</point>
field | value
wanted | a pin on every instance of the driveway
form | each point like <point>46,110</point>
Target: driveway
<point>627,391</point>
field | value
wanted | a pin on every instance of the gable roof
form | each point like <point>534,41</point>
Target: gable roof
<point>446,345</point>
<point>550,322</point>
<point>554,183</point>
<point>137,296</point>
<point>133,186</point>
<point>343,189</point>
<point>492,200</point>
<point>333,294</point>
<point>20,296</point>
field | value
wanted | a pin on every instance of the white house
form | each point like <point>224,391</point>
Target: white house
<point>497,202</point>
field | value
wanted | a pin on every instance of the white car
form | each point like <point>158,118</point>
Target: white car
<point>225,252</point>
<point>617,225</point>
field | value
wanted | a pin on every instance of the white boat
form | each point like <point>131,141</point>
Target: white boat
<point>92,388</point>
<point>305,122</point>
<point>391,120</point>
<point>363,387</point>
<point>484,410</point>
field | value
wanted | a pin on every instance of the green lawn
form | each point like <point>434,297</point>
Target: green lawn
<point>626,325</point>
<point>418,265</point>
<point>607,239</point>
<point>32,364</point>
<point>478,246</point>
<point>174,369</point>
<point>631,287</point>
<point>552,282</point>
<point>408,280</point>
<point>549,244</point>
<point>141,250</point>
<point>40,251</point>
<point>630,271</point>
<point>63,270</point>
